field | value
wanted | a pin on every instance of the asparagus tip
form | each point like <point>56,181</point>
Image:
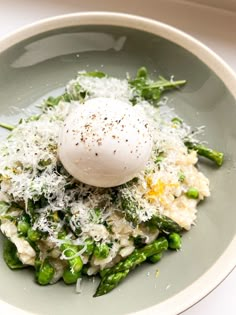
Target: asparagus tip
<point>219,158</point>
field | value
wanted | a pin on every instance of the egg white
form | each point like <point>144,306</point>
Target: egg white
<point>104,142</point>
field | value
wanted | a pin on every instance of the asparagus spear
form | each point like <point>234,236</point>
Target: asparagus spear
<point>159,245</point>
<point>135,259</point>
<point>215,156</point>
<point>10,255</point>
<point>161,222</point>
<point>109,282</point>
<point>111,277</point>
<point>129,206</point>
<point>164,224</point>
<point>138,256</point>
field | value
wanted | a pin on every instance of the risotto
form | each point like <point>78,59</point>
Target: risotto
<point>64,227</point>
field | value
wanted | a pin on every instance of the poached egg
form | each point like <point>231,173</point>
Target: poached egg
<point>104,142</point>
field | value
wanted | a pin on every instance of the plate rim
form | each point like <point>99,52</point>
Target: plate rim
<point>226,262</point>
<point>181,38</point>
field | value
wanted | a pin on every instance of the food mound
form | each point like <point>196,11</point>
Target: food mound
<point>74,203</point>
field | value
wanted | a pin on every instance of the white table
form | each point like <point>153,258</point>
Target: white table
<point>214,26</point>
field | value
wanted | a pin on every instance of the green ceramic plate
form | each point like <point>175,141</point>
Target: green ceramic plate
<point>38,60</point>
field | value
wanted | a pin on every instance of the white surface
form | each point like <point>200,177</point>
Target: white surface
<point>214,27</point>
<point>225,5</point>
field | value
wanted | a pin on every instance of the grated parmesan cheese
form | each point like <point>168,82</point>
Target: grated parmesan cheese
<point>30,169</point>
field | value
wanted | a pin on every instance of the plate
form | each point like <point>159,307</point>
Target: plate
<point>38,60</point>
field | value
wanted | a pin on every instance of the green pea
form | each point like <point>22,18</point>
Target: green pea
<point>174,241</point>
<point>101,251</point>
<point>33,235</point>
<point>45,274</point>
<point>70,277</point>
<point>70,250</point>
<point>192,193</point>
<point>23,227</point>
<point>155,258</point>
<point>76,264</point>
